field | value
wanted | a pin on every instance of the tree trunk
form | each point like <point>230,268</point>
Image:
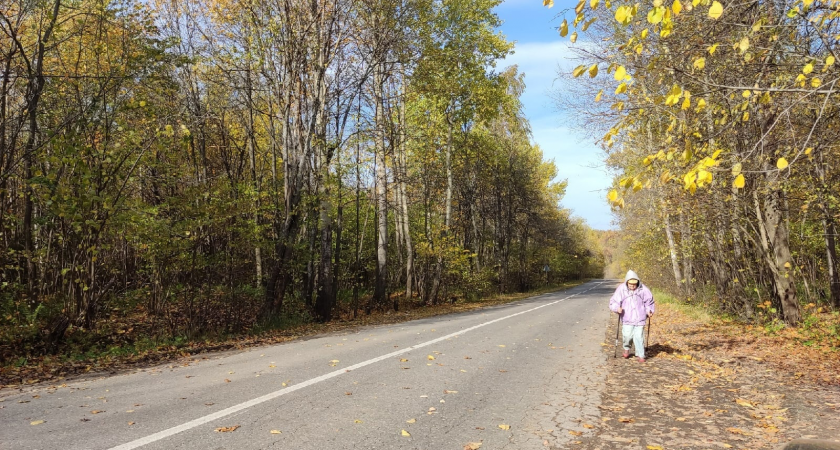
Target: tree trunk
<point>775,243</point>
<point>675,263</point>
<point>380,289</point>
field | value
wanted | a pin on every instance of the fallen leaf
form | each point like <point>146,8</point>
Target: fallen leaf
<point>131,423</point>
<point>276,432</point>
<point>226,429</point>
<point>37,422</point>
<point>96,411</point>
<point>504,427</point>
<point>403,360</point>
<point>586,425</point>
<point>430,357</point>
<point>472,446</point>
<point>575,433</point>
<point>227,381</point>
<point>744,403</point>
<point>655,447</point>
<point>130,411</point>
<point>680,419</point>
<point>626,419</point>
<point>502,346</point>
<point>405,433</point>
<point>357,421</point>
<point>737,431</point>
<point>348,393</point>
<point>411,421</point>
<point>450,392</point>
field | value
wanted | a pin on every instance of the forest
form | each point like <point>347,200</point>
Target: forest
<point>719,120</point>
<point>188,169</point>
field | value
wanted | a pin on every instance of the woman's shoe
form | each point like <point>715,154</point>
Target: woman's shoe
<point>626,354</point>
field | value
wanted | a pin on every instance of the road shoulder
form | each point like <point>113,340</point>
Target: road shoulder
<point>703,388</point>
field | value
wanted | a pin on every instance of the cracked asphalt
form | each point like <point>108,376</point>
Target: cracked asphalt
<point>524,375</point>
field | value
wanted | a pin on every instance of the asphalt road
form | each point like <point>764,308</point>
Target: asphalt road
<point>517,376</point>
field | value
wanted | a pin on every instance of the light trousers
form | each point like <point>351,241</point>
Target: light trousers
<point>636,333</point>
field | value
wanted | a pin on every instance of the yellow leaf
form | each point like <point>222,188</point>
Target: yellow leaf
<point>620,73</point>
<point>578,71</point>
<point>700,63</point>
<point>573,37</point>
<point>430,357</point>
<point>745,117</point>
<point>744,403</point>
<point>588,426</point>
<point>579,6</point>
<point>644,33</point>
<point>405,433</point>
<point>808,68</point>
<point>686,103</point>
<point>624,14</point>
<point>622,88</point>
<point>781,163</point>
<point>612,196</point>
<point>37,422</point>
<point>411,421</point>
<point>736,169</point>
<point>564,28</point>
<point>504,427</point>
<point>593,71</point>
<point>829,61</point>
<point>472,446</point>
<point>593,3</point>
<point>744,44</point>
<point>276,432</point>
<point>548,3</point>
<point>357,421</point>
<point>716,10</point>
<point>655,15</point>
<point>808,150</point>
<point>746,94</point>
<point>226,429</point>
<point>403,360</point>
<point>676,7</point>
<point>701,104</point>
<point>816,82</point>
<point>712,49</point>
<point>575,433</point>
<point>655,447</point>
<point>598,97</point>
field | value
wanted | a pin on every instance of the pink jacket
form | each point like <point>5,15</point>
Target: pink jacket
<point>636,303</point>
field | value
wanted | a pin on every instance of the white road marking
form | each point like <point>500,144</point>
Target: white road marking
<point>271,396</point>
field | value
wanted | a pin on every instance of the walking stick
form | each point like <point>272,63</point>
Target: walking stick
<point>647,338</point>
<point>617,328</point>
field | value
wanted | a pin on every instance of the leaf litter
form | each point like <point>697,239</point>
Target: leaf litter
<point>712,385</point>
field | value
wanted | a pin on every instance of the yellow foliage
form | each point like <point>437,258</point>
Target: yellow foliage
<point>716,10</point>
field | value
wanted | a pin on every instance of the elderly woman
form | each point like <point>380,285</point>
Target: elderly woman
<point>633,302</point>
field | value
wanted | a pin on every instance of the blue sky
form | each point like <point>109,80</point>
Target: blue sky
<point>539,52</point>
